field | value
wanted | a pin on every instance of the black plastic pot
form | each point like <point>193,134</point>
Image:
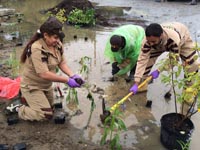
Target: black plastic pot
<point>172,131</point>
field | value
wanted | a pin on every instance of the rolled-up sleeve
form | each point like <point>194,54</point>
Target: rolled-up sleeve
<point>142,63</point>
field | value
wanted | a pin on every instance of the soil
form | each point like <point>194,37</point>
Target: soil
<point>175,123</point>
<point>45,136</point>
<point>174,129</point>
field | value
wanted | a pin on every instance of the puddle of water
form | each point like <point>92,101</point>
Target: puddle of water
<point>138,119</point>
<point>143,123</point>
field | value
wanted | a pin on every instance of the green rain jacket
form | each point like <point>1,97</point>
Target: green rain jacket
<point>133,35</point>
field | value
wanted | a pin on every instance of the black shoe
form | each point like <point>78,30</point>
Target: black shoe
<point>129,78</point>
<point>13,106</point>
<point>13,119</point>
<point>4,147</point>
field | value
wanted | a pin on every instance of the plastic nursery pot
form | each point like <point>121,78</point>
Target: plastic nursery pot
<point>171,134</point>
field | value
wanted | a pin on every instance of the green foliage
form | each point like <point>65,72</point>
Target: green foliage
<point>72,93</point>
<point>92,106</point>
<point>184,146</point>
<point>60,15</point>
<point>20,17</point>
<point>72,96</point>
<point>189,84</point>
<point>85,62</point>
<point>196,47</point>
<point>82,17</point>
<point>13,63</point>
<point>112,126</point>
<point>85,69</point>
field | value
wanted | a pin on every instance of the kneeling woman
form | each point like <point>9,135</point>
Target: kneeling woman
<point>41,56</point>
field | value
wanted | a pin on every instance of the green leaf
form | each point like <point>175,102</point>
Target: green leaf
<point>122,125</point>
<point>82,17</point>
<point>103,138</point>
<point>115,143</point>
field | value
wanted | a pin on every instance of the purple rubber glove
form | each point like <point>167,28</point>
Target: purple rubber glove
<point>78,79</point>
<point>72,83</point>
<point>155,74</point>
<point>134,88</point>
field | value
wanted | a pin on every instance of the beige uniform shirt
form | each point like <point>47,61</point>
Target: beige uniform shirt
<point>176,39</point>
<point>41,60</point>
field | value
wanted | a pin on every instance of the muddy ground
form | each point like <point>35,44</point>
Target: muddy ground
<point>142,123</point>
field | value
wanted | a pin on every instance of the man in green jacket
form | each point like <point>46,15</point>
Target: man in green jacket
<point>123,48</point>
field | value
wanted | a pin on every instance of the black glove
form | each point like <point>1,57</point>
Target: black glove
<point>115,68</point>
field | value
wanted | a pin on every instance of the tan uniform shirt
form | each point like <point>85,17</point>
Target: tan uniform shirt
<point>41,60</point>
<point>176,39</point>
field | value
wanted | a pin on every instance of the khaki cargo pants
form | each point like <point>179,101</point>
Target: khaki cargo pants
<point>39,105</point>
